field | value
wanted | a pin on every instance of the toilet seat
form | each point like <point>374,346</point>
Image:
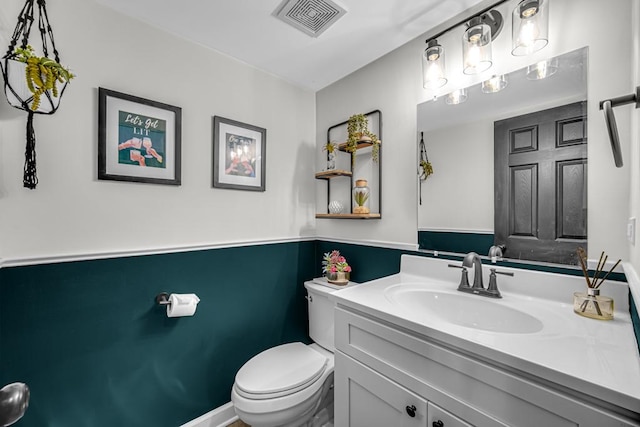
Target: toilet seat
<point>280,371</point>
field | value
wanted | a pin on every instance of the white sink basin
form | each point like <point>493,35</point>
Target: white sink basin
<point>469,311</point>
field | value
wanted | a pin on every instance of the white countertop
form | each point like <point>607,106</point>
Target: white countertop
<point>595,357</point>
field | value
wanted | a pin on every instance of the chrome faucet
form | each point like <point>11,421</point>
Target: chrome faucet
<point>472,259</point>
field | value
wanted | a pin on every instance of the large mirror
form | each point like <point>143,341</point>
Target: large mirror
<point>529,191</point>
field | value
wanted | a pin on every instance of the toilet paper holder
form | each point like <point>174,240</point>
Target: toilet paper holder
<point>163,299</point>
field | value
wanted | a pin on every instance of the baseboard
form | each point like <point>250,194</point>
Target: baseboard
<point>219,417</point>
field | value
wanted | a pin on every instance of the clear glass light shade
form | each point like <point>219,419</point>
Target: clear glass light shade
<point>476,47</point>
<point>433,68</point>
<point>456,97</point>
<point>542,69</point>
<point>530,31</point>
<point>494,84</point>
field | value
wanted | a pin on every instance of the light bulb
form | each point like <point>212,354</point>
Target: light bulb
<point>456,97</point>
<point>530,27</point>
<point>494,84</point>
<point>542,69</point>
<point>433,71</point>
<point>476,48</point>
<point>528,35</point>
<point>473,56</point>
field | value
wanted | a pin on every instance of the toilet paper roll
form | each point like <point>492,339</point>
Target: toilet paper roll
<point>182,305</point>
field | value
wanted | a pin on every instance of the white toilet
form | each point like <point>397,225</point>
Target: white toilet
<point>289,384</point>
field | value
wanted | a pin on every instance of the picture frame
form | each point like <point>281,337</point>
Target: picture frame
<point>139,140</point>
<point>239,155</point>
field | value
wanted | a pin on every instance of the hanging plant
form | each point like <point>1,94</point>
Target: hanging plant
<point>358,131</point>
<point>425,170</point>
<point>29,79</point>
<point>41,73</point>
<point>424,165</point>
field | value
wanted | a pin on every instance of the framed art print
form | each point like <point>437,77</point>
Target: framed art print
<point>238,155</point>
<point>138,139</point>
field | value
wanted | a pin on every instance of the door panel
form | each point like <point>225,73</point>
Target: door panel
<point>541,184</point>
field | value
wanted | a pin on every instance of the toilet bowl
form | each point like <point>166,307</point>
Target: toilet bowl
<point>270,395</point>
<point>286,385</point>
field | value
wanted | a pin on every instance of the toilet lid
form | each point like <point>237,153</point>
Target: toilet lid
<point>282,368</point>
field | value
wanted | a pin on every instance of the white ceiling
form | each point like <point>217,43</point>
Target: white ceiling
<point>248,31</point>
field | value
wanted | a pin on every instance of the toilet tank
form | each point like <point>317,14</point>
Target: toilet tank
<point>320,314</point>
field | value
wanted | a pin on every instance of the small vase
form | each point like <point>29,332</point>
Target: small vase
<point>361,197</point>
<point>338,278</point>
<point>592,305</point>
<point>336,207</point>
<point>331,161</point>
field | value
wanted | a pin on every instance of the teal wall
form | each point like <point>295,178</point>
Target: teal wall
<point>635,319</point>
<point>459,242</point>
<point>97,352</point>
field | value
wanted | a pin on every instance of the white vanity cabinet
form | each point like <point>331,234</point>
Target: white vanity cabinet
<point>386,375</point>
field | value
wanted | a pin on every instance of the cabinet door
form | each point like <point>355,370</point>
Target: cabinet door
<point>364,398</point>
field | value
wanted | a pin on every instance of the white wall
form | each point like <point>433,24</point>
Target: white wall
<point>393,85</point>
<point>634,160</point>
<point>461,189</point>
<point>71,212</point>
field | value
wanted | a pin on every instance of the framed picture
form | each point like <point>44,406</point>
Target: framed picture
<point>238,155</point>
<point>138,139</point>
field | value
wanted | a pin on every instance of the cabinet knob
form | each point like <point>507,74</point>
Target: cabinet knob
<point>438,423</point>
<point>411,410</point>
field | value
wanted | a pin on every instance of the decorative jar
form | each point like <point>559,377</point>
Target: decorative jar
<point>361,197</point>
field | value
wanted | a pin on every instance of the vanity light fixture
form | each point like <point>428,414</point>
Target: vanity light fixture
<point>542,69</point>
<point>476,41</point>
<point>456,97</point>
<point>530,29</point>
<point>433,67</point>
<point>494,84</point>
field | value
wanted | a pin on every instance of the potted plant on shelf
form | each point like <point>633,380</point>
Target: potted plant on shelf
<point>358,131</point>
<point>361,197</point>
<point>330,147</point>
<point>336,268</point>
<point>31,76</point>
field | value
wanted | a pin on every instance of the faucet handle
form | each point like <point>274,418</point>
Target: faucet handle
<point>464,280</point>
<point>493,283</point>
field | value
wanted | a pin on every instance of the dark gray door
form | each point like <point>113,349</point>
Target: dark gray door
<point>541,184</point>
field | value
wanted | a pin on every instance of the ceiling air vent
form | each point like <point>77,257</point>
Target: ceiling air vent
<point>312,17</point>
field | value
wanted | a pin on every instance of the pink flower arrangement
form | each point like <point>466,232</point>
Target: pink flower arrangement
<point>333,262</point>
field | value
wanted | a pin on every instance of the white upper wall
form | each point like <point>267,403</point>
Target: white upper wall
<point>634,160</point>
<point>71,212</point>
<point>393,84</point>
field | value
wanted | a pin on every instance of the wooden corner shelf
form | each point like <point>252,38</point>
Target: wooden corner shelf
<point>350,216</point>
<point>370,171</point>
<point>333,174</point>
<point>359,145</point>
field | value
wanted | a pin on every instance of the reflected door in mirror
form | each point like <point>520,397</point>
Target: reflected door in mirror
<point>541,184</point>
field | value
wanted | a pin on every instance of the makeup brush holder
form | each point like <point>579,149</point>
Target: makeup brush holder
<point>592,304</point>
